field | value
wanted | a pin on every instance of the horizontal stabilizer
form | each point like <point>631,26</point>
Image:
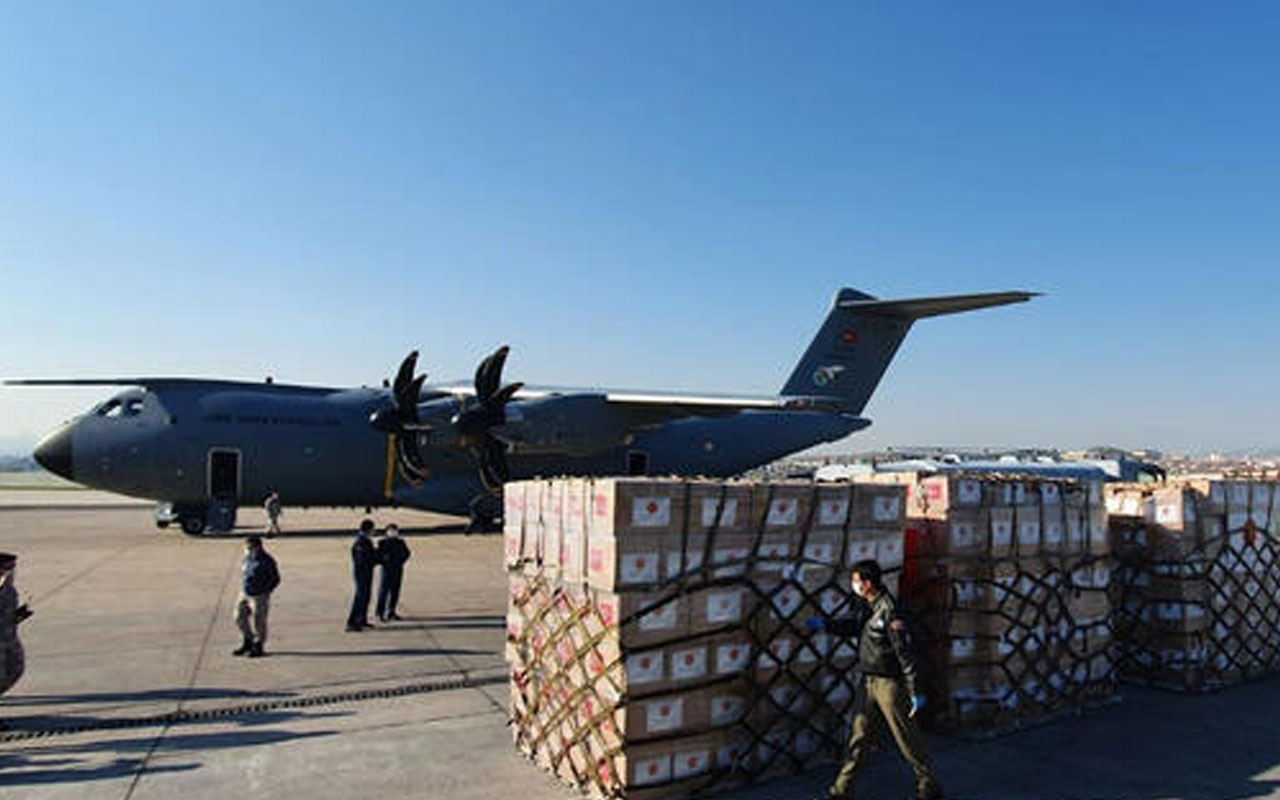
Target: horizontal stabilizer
<point>920,307</point>
<point>860,336</point>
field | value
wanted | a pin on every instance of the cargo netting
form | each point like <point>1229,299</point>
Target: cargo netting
<point>1010,582</point>
<point>1200,574</point>
<point>614,698</point>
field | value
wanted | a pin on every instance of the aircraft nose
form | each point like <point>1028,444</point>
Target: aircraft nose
<point>54,452</point>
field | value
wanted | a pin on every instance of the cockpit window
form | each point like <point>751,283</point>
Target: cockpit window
<point>118,407</point>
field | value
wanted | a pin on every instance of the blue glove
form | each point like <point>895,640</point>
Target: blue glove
<point>816,623</point>
<point>917,703</point>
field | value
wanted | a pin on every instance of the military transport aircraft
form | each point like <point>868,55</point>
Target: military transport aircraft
<point>201,447</point>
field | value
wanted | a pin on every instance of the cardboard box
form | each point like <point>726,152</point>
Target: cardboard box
<point>623,507</point>
<point>732,555</point>
<point>717,607</point>
<point>535,492</point>
<point>834,507</point>
<point>1026,526</point>
<point>513,523</point>
<point>965,532</point>
<point>644,618</point>
<point>720,507</point>
<point>819,560</point>
<point>633,561</point>
<point>1173,509</point>
<point>890,549</point>
<point>730,654</point>
<point>783,507</point>
<point>573,537</point>
<point>879,506</point>
<point>1001,522</point>
<point>660,716</point>
<point>685,557</point>
<point>552,528</point>
<point>936,496</point>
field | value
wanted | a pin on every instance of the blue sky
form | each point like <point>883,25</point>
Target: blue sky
<point>654,195</point>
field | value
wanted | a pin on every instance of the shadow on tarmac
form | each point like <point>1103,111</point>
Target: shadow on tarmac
<point>139,697</point>
<point>1152,746</point>
<point>341,533</point>
<point>425,651</point>
<point>75,763</point>
<point>436,622</point>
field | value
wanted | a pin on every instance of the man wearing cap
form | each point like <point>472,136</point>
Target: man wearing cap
<point>890,698</point>
<point>12,661</point>
<point>260,577</point>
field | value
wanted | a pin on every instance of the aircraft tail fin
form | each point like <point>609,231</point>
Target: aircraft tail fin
<point>860,336</point>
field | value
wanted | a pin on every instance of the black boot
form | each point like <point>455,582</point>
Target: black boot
<point>255,650</point>
<point>245,647</point>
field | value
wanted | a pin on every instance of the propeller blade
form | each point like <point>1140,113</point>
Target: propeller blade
<point>489,374</point>
<point>410,459</point>
<point>405,375</point>
<point>504,395</point>
<point>493,464</point>
<point>407,403</point>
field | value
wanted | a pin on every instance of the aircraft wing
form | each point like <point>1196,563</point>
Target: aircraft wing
<point>165,382</point>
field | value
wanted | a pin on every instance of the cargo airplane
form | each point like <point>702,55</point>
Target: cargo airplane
<point>202,447</point>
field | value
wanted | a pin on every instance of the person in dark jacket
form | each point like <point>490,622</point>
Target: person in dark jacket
<point>890,698</point>
<point>392,553</point>
<point>259,578</point>
<point>363,560</point>
<point>12,658</point>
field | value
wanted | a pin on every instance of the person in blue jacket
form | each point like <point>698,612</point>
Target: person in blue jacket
<point>259,578</point>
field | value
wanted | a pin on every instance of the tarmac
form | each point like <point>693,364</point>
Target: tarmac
<point>131,690</point>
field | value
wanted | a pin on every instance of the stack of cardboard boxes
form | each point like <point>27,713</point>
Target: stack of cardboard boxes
<point>656,628</point>
<point>1008,581</point>
<point>1200,607</point>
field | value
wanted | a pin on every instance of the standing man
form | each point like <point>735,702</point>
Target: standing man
<point>12,658</point>
<point>392,553</point>
<point>273,509</point>
<point>890,698</point>
<point>260,577</point>
<point>363,559</point>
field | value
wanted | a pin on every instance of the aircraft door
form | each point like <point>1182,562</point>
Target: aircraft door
<point>224,489</point>
<point>637,462</point>
<point>224,474</point>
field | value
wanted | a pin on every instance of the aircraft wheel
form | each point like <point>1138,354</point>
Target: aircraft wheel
<point>162,524</point>
<point>193,526</point>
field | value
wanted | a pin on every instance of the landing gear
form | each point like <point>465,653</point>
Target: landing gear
<point>485,511</point>
<point>164,515</point>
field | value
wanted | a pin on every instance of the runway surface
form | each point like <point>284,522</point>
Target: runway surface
<point>131,690</point>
